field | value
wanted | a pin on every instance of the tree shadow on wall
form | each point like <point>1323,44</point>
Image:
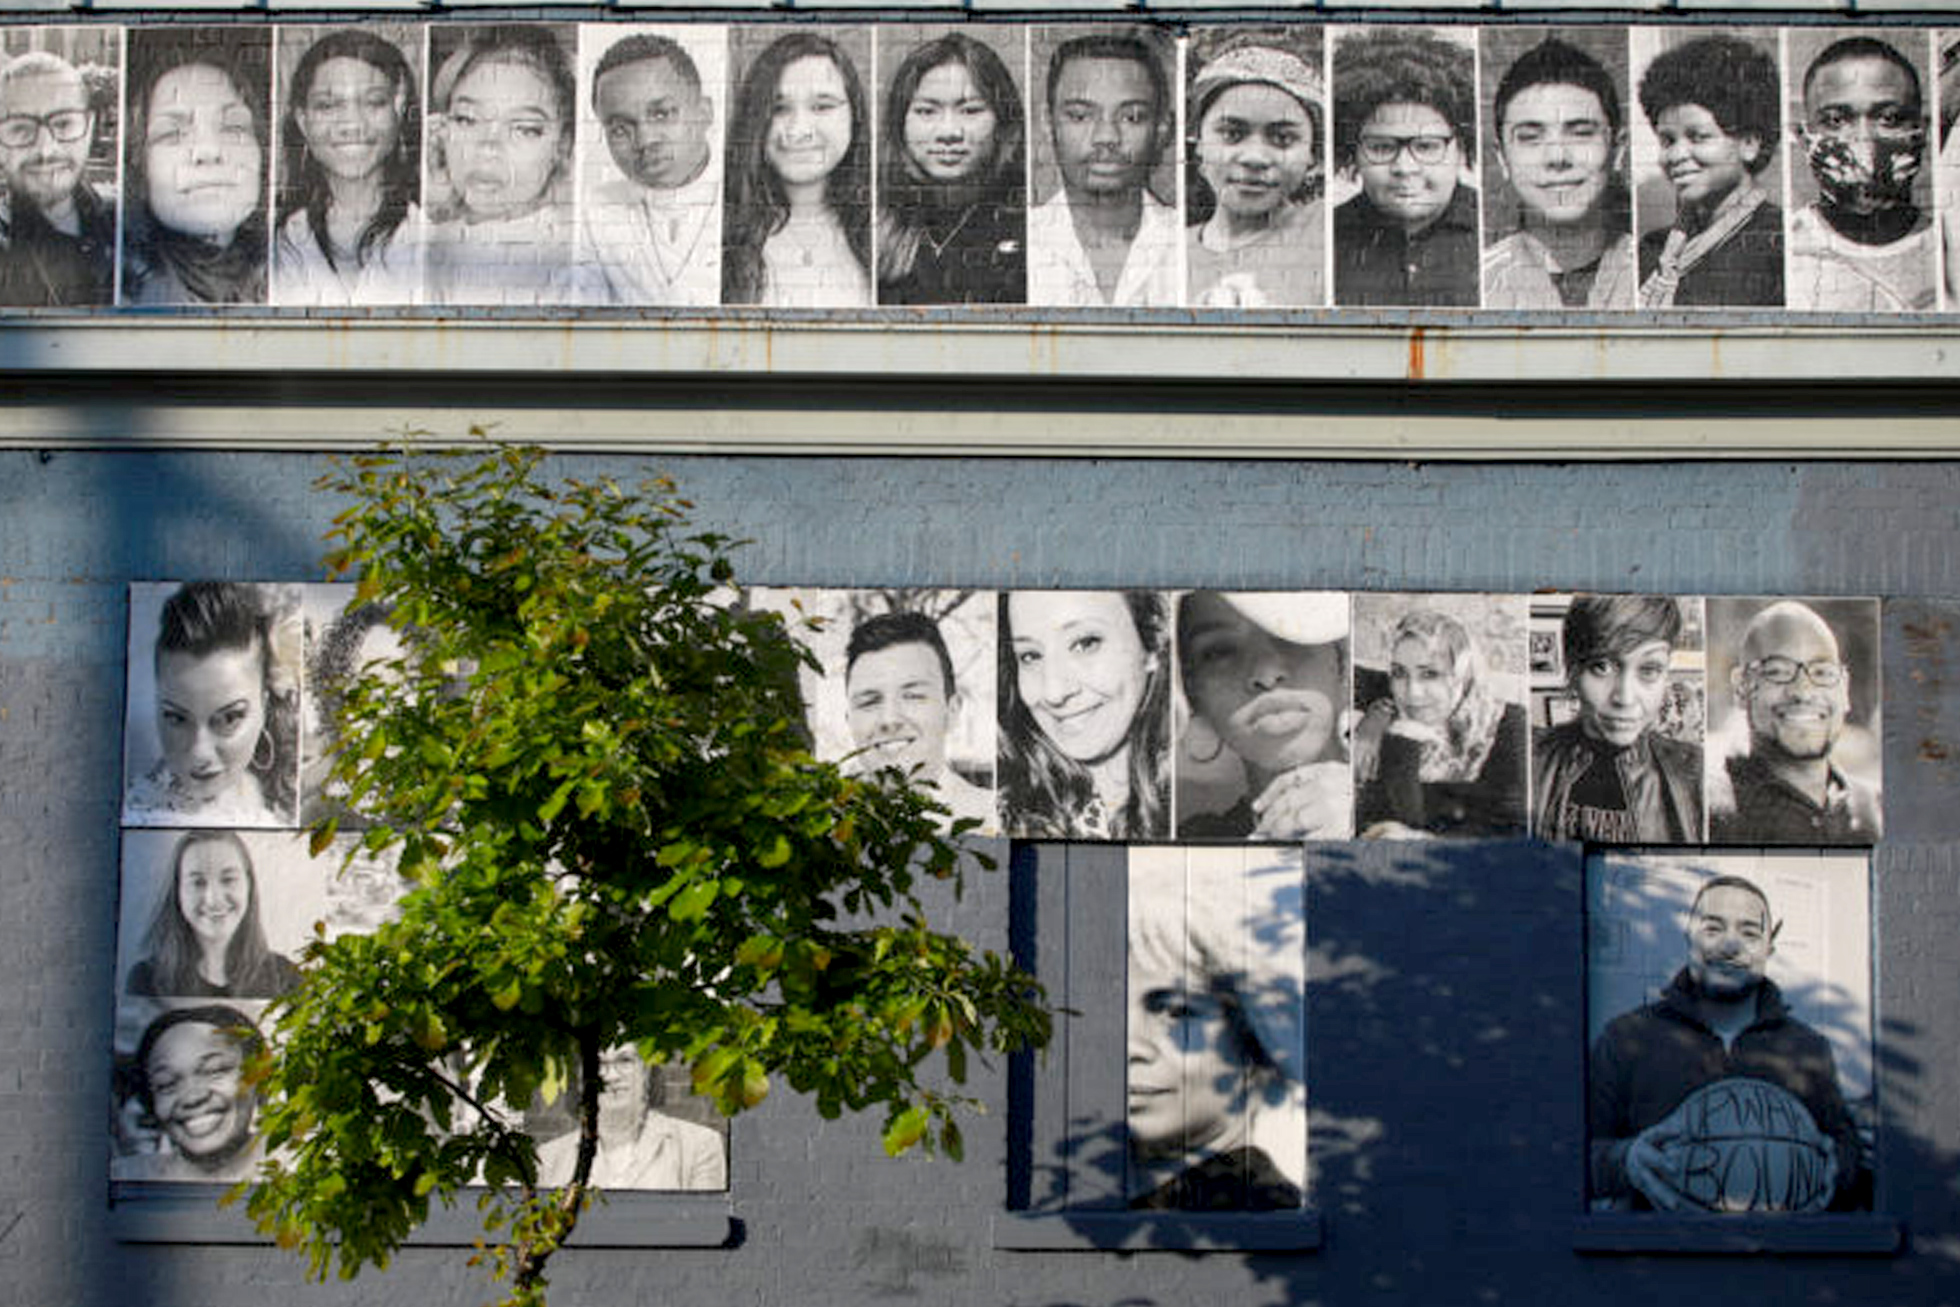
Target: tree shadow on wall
<point>1446,1038</point>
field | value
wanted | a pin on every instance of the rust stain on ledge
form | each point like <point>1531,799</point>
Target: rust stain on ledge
<point>1415,353</point>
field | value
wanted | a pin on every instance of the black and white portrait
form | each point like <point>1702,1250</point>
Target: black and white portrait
<point>1617,715</point>
<point>1730,1014</point>
<point>654,1132</point>
<point>1084,701</point>
<point>952,166</point>
<point>1558,209</point>
<point>1794,751</point>
<point>797,230</point>
<point>182,1108</point>
<point>908,686</point>
<point>197,166</point>
<point>344,640</point>
<point>347,226</point>
<point>1263,691</point>
<point>1105,228</point>
<point>1216,1089</point>
<point>1256,168</point>
<point>60,105</point>
<point>1405,157</point>
<point>1439,689</point>
<point>212,733</point>
<point>363,890</point>
<point>653,100</point>
<point>503,117</point>
<point>1947,179</point>
<point>1707,168</point>
<point>215,914</point>
<point>1862,238</point>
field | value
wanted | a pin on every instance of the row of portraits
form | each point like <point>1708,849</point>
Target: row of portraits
<point>1729,1014</point>
<point>212,927</point>
<point>1150,715</point>
<point>1235,167</point>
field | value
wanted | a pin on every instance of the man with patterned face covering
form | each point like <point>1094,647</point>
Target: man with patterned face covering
<point>1864,246</point>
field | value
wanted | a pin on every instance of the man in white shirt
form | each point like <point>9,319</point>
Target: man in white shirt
<point>654,232</point>
<point>1103,240</point>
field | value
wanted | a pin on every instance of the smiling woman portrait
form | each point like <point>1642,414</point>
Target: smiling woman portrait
<point>797,228</point>
<point>206,939</point>
<point>1255,173</point>
<point>350,175</point>
<point>1713,105</point>
<point>1443,750</point>
<point>1084,714</point>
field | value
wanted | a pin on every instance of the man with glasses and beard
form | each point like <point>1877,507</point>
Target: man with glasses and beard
<point>57,232</point>
<point>1796,690</point>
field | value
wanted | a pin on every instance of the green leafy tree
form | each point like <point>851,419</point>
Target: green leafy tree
<point>594,772</point>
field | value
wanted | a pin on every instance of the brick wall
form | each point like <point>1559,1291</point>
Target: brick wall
<point>1446,1091</point>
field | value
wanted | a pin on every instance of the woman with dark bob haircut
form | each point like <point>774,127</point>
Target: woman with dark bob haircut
<point>1405,122</point>
<point>952,221</point>
<point>798,228</point>
<point>1713,102</point>
<point>1611,775</point>
<point>194,230</point>
<point>350,175</point>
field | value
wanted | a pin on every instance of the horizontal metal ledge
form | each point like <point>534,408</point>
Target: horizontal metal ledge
<point>1647,1234</point>
<point>1091,1231</point>
<point>154,1214</point>
<point>1135,421</point>
<point>1016,347</point>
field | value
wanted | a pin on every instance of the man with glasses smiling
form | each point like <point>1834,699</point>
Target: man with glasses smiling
<point>1796,690</point>
<point>59,232</point>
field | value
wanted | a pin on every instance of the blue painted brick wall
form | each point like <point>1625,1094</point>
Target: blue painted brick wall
<point>1457,1197</point>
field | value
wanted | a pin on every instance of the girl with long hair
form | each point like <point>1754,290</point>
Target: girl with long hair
<point>195,224</point>
<point>798,228</point>
<point>1084,682</point>
<point>205,939</point>
<point>350,176</point>
<point>952,203</point>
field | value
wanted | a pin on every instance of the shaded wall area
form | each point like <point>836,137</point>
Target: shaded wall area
<point>1445,1022</point>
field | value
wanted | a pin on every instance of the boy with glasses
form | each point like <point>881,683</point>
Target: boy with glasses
<point>1404,123</point>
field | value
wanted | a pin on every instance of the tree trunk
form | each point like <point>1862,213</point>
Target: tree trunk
<point>533,1251</point>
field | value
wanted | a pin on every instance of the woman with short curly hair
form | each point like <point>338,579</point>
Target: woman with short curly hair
<point>1713,103</point>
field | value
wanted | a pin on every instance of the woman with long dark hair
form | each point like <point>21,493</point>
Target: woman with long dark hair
<point>797,233</point>
<point>952,203</point>
<point>195,154</point>
<point>1084,686</point>
<point>205,939</point>
<point>350,176</point>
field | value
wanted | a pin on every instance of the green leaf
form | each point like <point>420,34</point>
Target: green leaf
<point>693,902</point>
<point>776,854</point>
<point>905,1130</point>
